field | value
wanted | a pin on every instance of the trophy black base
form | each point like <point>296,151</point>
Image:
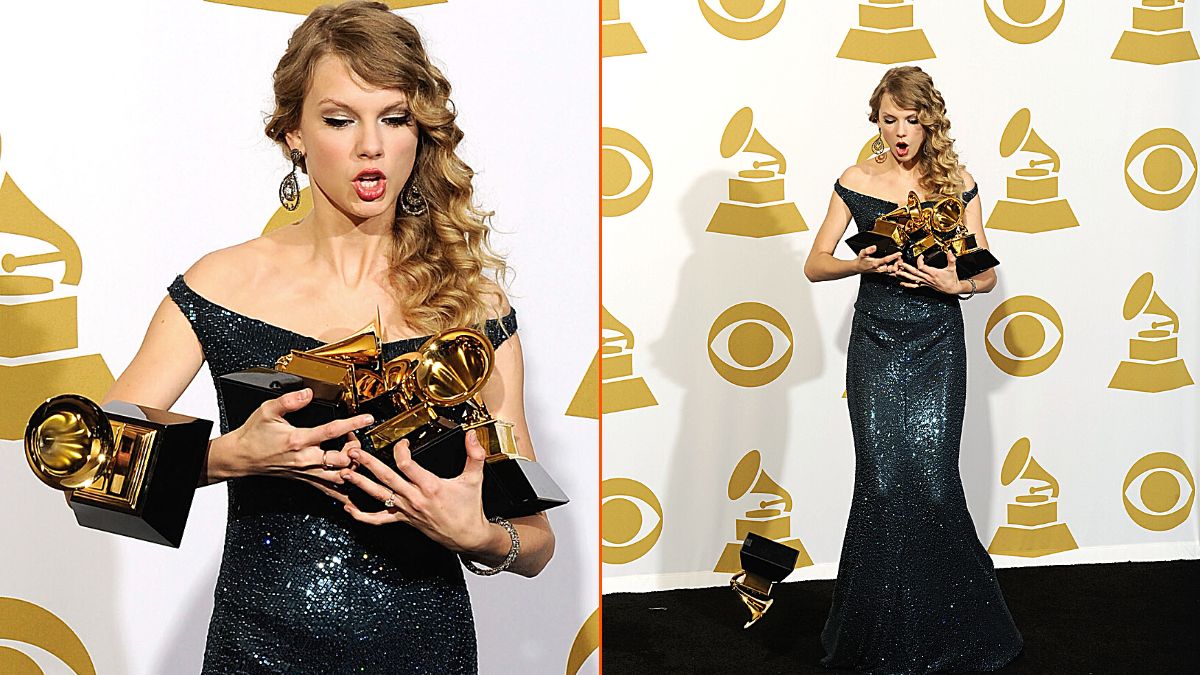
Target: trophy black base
<point>767,558</point>
<point>884,246</point>
<point>511,487</point>
<point>175,462</point>
<point>245,390</point>
<point>972,263</point>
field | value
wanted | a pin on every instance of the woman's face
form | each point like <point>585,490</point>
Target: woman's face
<point>359,142</point>
<point>900,129</point>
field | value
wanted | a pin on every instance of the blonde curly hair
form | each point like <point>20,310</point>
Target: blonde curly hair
<point>912,89</point>
<point>441,261</point>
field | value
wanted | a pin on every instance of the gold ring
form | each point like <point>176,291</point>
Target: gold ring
<point>324,462</point>
<point>390,502</point>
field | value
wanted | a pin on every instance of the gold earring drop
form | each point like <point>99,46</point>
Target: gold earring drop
<point>879,150</point>
<point>289,189</point>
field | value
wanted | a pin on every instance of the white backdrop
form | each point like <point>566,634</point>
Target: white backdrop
<point>136,127</point>
<point>693,390</point>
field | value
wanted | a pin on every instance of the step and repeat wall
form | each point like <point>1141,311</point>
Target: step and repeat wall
<point>725,124</point>
<point>131,144</point>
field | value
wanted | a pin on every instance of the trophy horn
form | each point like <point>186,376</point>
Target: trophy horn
<point>69,442</point>
<point>454,366</point>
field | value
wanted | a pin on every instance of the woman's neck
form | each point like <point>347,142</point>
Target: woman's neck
<point>349,249</point>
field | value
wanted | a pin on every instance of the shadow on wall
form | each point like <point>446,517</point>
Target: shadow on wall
<point>720,422</point>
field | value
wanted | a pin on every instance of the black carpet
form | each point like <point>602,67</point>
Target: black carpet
<point>1114,618</point>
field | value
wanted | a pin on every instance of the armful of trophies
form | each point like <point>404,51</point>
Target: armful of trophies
<point>930,232</point>
<point>133,470</point>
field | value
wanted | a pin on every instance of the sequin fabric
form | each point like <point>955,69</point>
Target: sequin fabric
<point>916,591</point>
<point>304,588</point>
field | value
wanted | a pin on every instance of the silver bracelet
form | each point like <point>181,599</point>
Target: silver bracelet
<point>508,560</point>
<point>972,293</point>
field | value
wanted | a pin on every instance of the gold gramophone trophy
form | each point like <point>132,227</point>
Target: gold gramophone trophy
<point>1032,203</point>
<point>1033,527</point>
<point>930,232</point>
<point>127,469</point>
<point>767,552</point>
<point>1154,363</point>
<point>429,397</point>
<point>756,206</point>
<point>764,564</point>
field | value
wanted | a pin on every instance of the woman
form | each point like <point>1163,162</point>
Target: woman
<point>308,582</point>
<point>916,592</point>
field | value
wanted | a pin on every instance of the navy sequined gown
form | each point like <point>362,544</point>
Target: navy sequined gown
<point>916,592</point>
<point>304,588</point>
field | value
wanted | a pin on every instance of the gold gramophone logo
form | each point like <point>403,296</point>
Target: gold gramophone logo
<point>1023,336</point>
<point>742,19</point>
<point>1033,527</point>
<point>27,623</point>
<point>750,344</point>
<point>39,320</point>
<point>586,643</point>
<point>1024,21</point>
<point>306,7</point>
<point>282,217</point>
<point>1159,491</point>
<point>611,370</point>
<point>886,33</point>
<point>1154,363</point>
<point>632,520</point>
<point>769,517</point>
<point>626,172</point>
<point>617,38</point>
<point>1157,36</point>
<point>1160,169</point>
<point>756,206</point>
<point>1032,203</point>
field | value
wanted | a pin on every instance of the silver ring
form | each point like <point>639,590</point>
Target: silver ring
<point>325,463</point>
<point>390,502</point>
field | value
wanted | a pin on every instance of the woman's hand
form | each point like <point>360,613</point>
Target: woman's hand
<point>447,510</point>
<point>943,279</point>
<point>268,445</point>
<point>865,264</point>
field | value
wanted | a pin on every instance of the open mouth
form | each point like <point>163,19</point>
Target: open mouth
<point>370,184</point>
<point>901,148</point>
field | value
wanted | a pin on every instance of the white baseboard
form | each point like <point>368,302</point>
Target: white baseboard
<point>645,583</point>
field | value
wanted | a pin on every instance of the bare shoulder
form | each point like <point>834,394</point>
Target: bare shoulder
<point>860,177</point>
<point>967,178</point>
<point>220,274</point>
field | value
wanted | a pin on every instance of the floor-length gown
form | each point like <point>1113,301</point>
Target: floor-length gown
<point>916,591</point>
<point>304,588</point>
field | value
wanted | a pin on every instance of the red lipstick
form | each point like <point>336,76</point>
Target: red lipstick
<point>370,184</point>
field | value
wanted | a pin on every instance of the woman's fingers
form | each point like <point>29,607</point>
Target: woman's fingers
<point>476,456</point>
<point>276,408</point>
<point>375,490</point>
<point>384,517</point>
<point>414,472</point>
<point>330,430</point>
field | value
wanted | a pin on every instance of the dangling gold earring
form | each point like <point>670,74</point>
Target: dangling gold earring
<point>879,150</point>
<point>289,189</point>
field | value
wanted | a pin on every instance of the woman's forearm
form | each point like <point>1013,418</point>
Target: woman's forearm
<point>537,545</point>
<point>217,467</point>
<point>822,266</point>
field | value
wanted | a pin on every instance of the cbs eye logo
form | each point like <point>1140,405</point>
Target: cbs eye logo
<point>1024,21</point>
<point>1159,491</point>
<point>1160,169</point>
<point>625,172</point>
<point>742,19</point>
<point>1023,336</point>
<point>27,623</point>
<point>750,344</point>
<point>625,505</point>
